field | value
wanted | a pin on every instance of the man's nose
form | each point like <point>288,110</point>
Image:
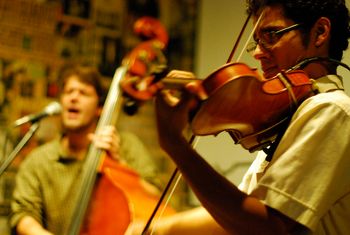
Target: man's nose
<point>74,95</point>
<point>259,52</point>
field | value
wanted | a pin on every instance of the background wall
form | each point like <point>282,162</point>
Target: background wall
<point>219,27</point>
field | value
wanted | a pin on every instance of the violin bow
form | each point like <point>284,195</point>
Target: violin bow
<point>193,140</point>
<point>235,46</point>
<point>176,174</point>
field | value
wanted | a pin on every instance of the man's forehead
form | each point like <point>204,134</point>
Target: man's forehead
<point>74,81</point>
<point>270,19</point>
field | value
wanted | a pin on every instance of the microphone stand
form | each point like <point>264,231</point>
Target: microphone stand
<point>33,128</point>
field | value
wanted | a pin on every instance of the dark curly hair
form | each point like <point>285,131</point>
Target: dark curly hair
<point>308,12</point>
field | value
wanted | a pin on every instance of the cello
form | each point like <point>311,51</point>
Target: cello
<point>112,197</point>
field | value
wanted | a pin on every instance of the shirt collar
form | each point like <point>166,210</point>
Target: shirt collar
<point>62,152</point>
<point>328,83</point>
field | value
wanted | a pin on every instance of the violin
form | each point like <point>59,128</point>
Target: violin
<point>252,109</point>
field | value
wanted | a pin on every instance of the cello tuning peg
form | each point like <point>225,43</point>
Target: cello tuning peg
<point>130,106</point>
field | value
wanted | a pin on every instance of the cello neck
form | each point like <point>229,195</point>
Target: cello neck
<point>93,159</point>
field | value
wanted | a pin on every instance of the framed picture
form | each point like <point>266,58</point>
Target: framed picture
<point>78,8</point>
<point>111,55</point>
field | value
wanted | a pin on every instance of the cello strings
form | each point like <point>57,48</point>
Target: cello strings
<point>91,163</point>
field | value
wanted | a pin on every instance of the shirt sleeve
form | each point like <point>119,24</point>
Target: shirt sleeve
<point>309,170</point>
<point>26,196</point>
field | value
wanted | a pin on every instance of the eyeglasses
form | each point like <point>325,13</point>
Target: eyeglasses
<point>270,38</point>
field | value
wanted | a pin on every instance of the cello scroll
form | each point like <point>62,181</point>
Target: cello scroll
<point>144,62</point>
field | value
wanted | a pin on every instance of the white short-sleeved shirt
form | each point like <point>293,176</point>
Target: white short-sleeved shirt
<point>308,178</point>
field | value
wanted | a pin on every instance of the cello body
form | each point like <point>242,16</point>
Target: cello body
<point>120,199</point>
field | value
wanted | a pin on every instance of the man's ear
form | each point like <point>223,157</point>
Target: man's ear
<point>322,29</point>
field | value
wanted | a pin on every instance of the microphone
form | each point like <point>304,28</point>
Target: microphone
<point>51,109</point>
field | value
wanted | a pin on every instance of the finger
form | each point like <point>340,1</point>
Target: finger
<point>170,105</point>
<point>180,74</point>
<point>91,136</point>
<point>197,89</point>
<point>187,101</point>
<point>103,141</point>
<point>107,130</point>
<point>170,97</point>
<point>161,100</point>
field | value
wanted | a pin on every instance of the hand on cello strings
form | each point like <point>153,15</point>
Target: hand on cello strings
<point>107,139</point>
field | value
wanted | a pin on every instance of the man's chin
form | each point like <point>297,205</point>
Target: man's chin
<point>71,126</point>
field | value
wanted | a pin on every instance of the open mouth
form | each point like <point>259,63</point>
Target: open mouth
<point>73,112</point>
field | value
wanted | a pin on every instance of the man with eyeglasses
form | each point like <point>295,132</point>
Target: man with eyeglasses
<point>269,38</point>
<point>305,187</point>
